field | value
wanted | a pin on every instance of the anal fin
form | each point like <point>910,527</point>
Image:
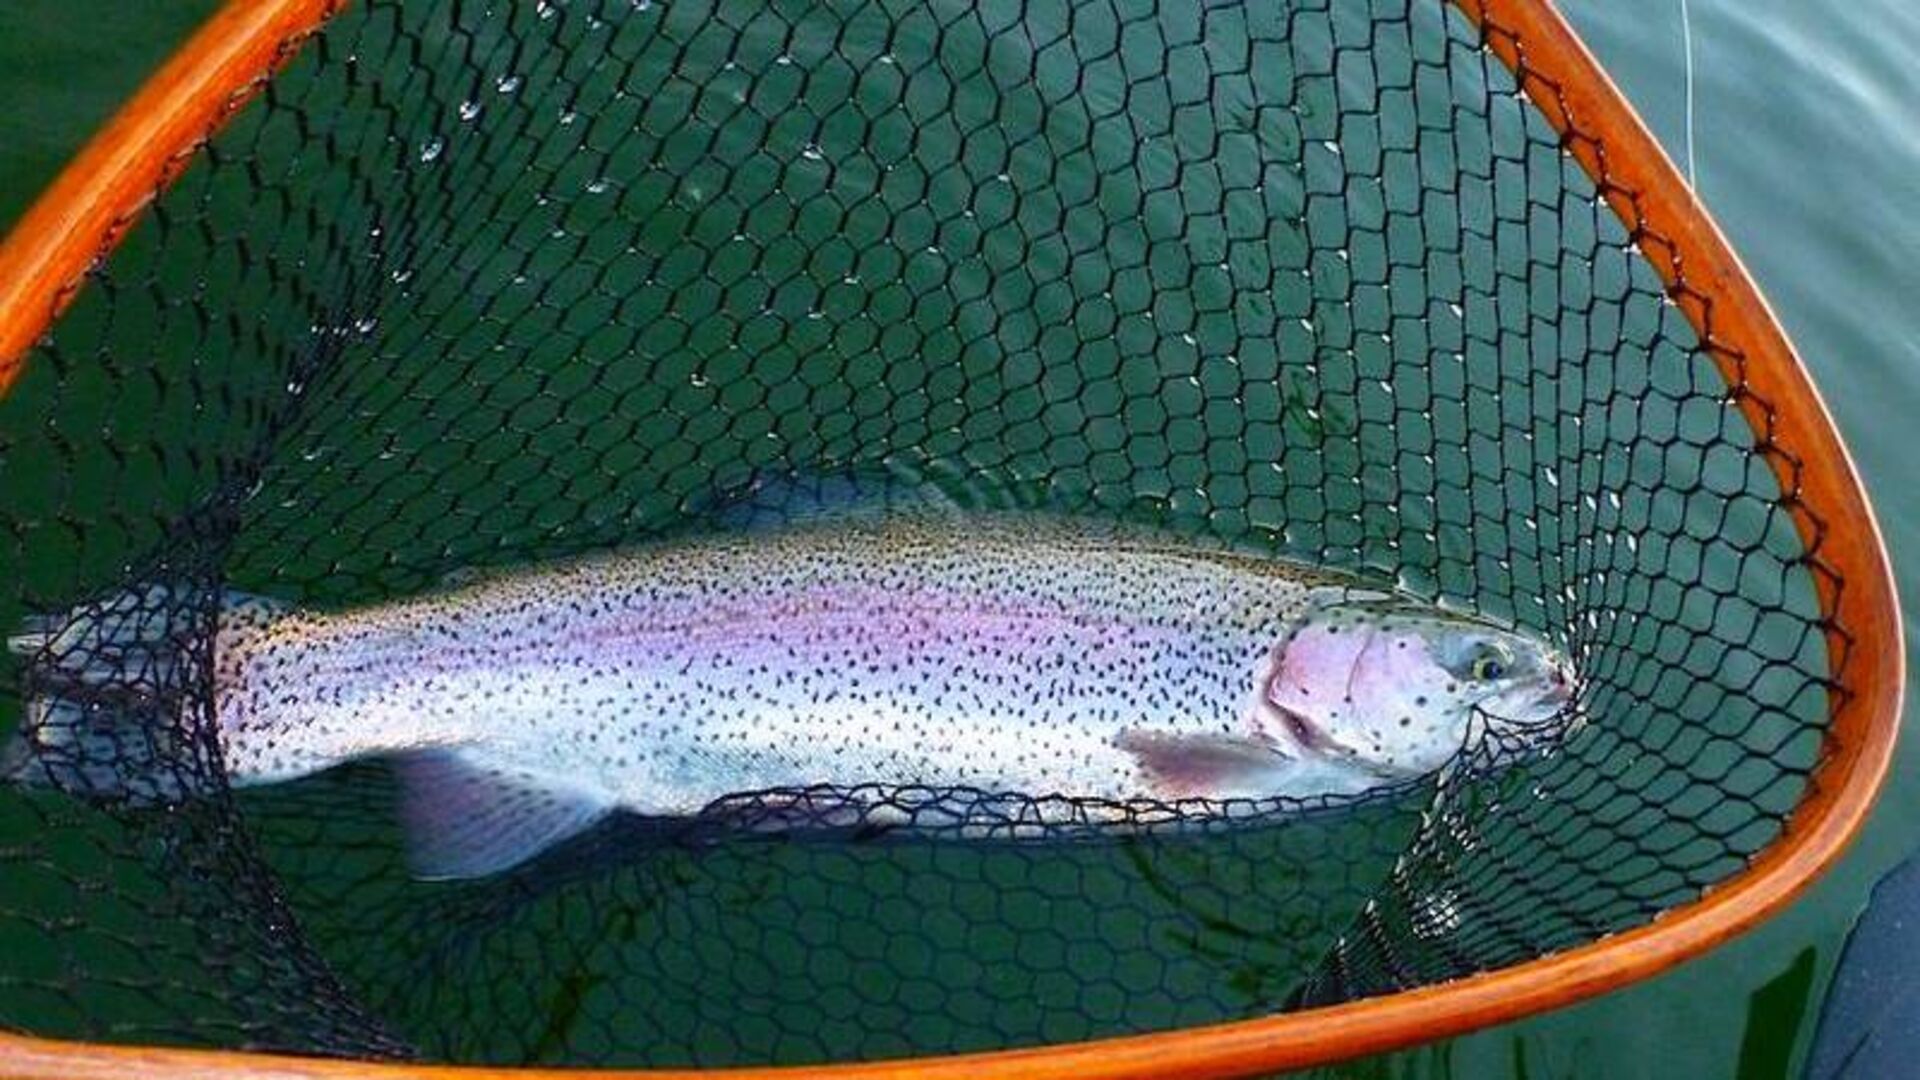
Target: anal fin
<point>465,817</point>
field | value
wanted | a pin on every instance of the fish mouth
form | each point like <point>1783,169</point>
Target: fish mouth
<point>1548,712</point>
<point>1559,690</point>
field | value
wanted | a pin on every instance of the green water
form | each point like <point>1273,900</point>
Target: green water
<point>1801,153</point>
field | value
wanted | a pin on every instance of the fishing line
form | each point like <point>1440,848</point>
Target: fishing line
<point>1686,41</point>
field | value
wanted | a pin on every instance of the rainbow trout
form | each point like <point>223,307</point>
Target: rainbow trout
<point>997,652</point>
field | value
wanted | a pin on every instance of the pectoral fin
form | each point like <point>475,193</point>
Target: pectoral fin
<point>465,818</point>
<point>1207,765</point>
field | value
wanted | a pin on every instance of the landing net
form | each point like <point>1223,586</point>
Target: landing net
<point>483,285</point>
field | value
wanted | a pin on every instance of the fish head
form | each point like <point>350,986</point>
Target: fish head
<point>1394,688</point>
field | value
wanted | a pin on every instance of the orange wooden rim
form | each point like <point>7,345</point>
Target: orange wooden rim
<point>78,219</point>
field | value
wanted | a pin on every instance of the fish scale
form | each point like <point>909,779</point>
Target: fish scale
<point>1004,656</point>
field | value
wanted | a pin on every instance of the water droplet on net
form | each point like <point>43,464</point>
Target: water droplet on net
<point>597,186</point>
<point>545,10</point>
<point>568,116</point>
<point>699,380</point>
<point>812,152</point>
<point>431,149</point>
<point>641,6</point>
<point>402,275</point>
<point>469,110</point>
<point>366,325</point>
<point>507,84</point>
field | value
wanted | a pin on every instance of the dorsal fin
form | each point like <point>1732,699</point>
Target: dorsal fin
<point>777,499</point>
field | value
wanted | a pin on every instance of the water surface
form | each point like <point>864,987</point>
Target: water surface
<point>1806,152</point>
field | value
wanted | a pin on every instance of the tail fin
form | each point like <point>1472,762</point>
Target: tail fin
<point>110,691</point>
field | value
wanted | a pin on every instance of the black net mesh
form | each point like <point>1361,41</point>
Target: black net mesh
<point>485,284</point>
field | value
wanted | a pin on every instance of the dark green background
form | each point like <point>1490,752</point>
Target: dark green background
<point>1806,151</point>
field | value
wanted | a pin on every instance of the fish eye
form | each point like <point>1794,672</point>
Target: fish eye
<point>1488,665</point>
